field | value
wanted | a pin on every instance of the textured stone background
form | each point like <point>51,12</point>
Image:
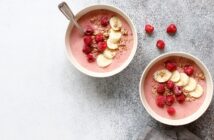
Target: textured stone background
<point>42,96</point>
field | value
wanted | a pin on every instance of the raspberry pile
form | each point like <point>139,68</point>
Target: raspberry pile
<point>94,44</point>
<point>176,95</point>
<point>160,44</point>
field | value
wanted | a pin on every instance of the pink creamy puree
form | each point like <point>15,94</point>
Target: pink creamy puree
<point>182,110</point>
<point>76,43</point>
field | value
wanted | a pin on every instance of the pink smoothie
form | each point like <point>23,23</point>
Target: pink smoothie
<point>182,110</point>
<point>76,42</point>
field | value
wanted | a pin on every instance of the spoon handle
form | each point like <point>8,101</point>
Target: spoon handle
<point>64,8</point>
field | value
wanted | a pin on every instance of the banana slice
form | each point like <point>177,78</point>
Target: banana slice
<point>102,61</point>
<point>114,36</point>
<point>175,76</point>
<point>184,80</point>
<point>111,45</point>
<point>109,53</point>
<point>115,23</point>
<point>162,75</point>
<point>197,92</point>
<point>191,85</point>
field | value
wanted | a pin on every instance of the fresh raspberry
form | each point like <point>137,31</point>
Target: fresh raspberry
<point>170,85</point>
<point>88,30</point>
<point>171,66</point>
<point>99,38</point>
<point>171,111</point>
<point>90,57</point>
<point>171,29</point>
<point>87,40</point>
<point>161,89</point>
<point>177,90</point>
<point>181,98</point>
<point>104,21</point>
<point>188,70</point>
<point>170,100</point>
<point>160,44</point>
<point>86,49</point>
<point>101,46</point>
<point>160,101</point>
<point>149,28</point>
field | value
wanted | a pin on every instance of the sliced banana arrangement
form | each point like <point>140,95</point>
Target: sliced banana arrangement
<point>111,45</point>
<point>102,61</point>
<point>115,23</point>
<point>184,79</point>
<point>197,92</point>
<point>109,53</point>
<point>115,36</point>
<point>175,76</point>
<point>105,59</point>
<point>191,87</point>
<point>162,76</point>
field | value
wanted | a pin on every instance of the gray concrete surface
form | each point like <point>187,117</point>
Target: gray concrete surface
<point>42,96</point>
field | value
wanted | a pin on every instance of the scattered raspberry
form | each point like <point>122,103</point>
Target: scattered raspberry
<point>171,111</point>
<point>177,90</point>
<point>170,100</point>
<point>87,40</point>
<point>86,49</point>
<point>99,38</point>
<point>171,66</point>
<point>149,29</point>
<point>160,101</point>
<point>161,89</point>
<point>101,46</point>
<point>171,29</point>
<point>181,98</point>
<point>89,30</point>
<point>188,70</point>
<point>90,57</point>
<point>170,85</point>
<point>104,21</point>
<point>160,44</point>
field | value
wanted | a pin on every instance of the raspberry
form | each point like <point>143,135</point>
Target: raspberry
<point>149,29</point>
<point>177,90</point>
<point>160,44</point>
<point>86,49</point>
<point>188,70</point>
<point>160,101</point>
<point>171,29</point>
<point>90,57</point>
<point>101,46</point>
<point>171,111</point>
<point>170,100</point>
<point>99,38</point>
<point>89,30</point>
<point>170,85</point>
<point>87,40</point>
<point>180,98</point>
<point>171,66</point>
<point>104,21</point>
<point>161,89</point>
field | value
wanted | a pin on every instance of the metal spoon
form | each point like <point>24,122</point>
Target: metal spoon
<point>64,8</point>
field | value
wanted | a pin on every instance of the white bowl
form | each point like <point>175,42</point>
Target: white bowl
<point>202,108</point>
<point>83,69</point>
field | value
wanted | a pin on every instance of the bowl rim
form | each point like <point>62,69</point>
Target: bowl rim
<point>202,108</point>
<point>117,70</point>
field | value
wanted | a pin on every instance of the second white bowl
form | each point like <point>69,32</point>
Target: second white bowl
<point>203,107</point>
